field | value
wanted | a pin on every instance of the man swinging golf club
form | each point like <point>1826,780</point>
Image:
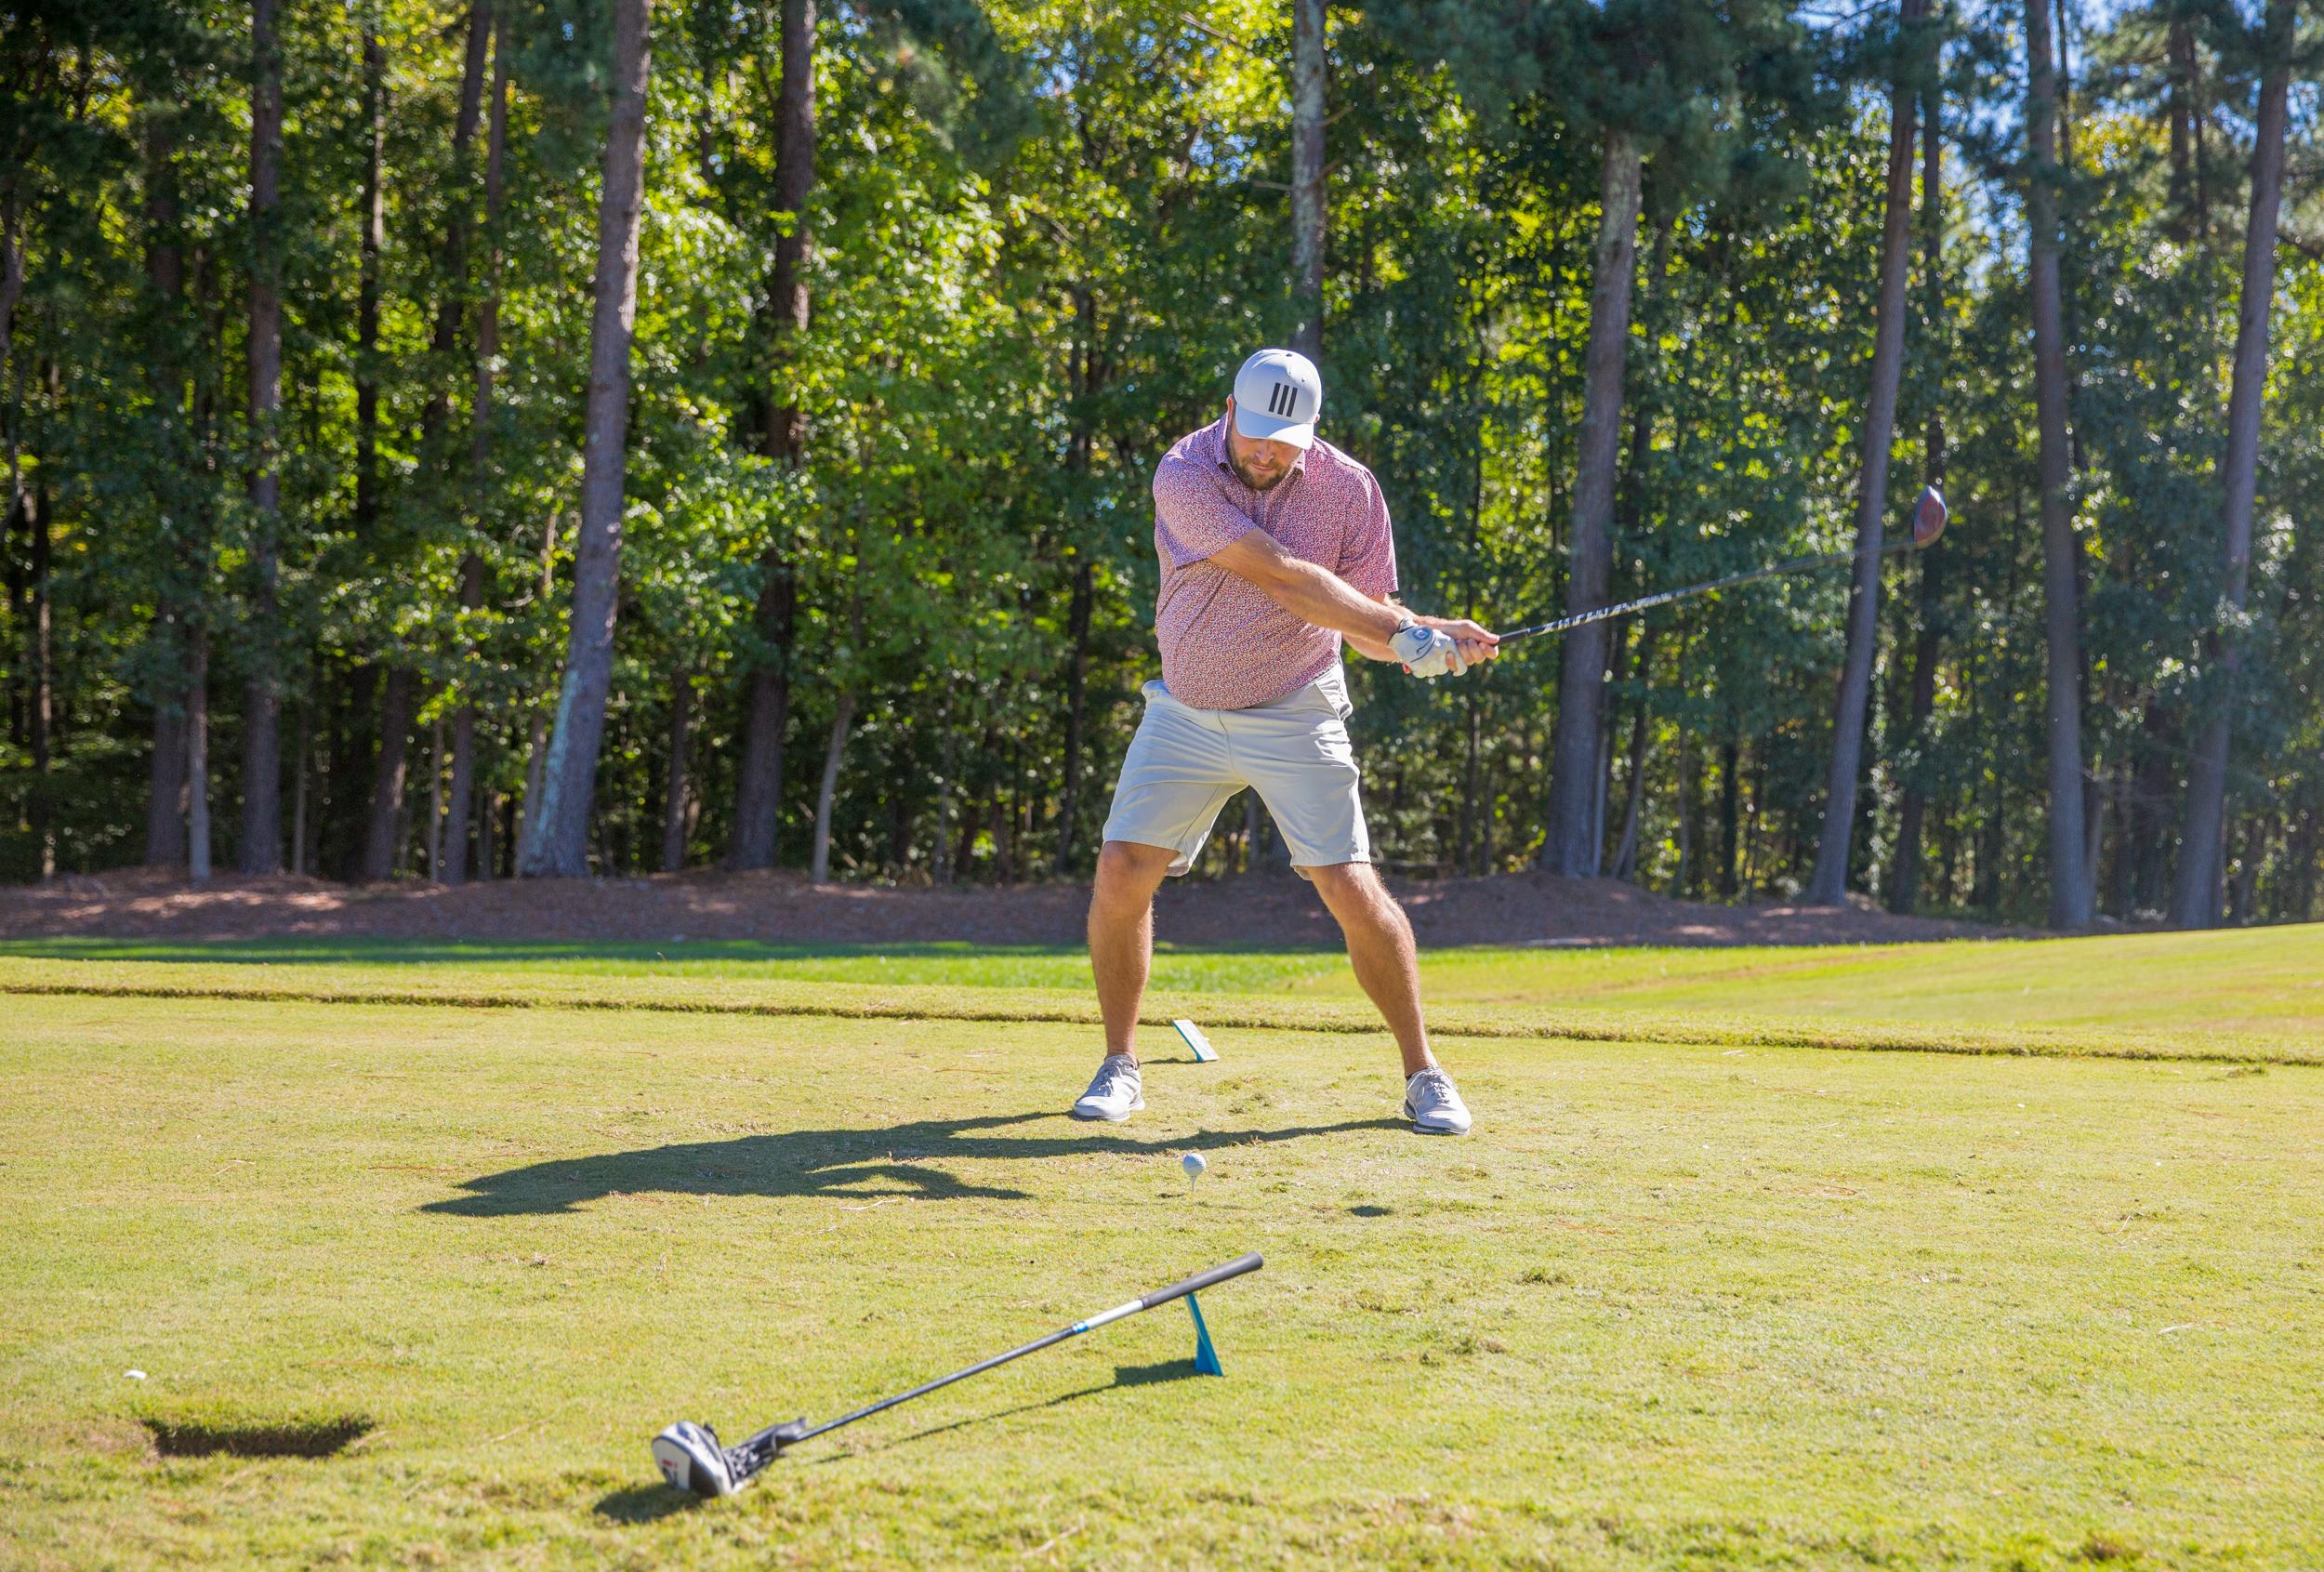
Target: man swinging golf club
<point>1275,547</point>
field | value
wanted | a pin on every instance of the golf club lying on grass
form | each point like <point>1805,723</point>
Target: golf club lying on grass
<point>690,1458</point>
<point>1928,522</point>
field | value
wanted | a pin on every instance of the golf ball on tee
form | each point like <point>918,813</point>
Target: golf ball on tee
<point>1194,1165</point>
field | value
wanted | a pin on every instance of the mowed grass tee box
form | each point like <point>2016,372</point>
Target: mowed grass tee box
<point>1673,1303</point>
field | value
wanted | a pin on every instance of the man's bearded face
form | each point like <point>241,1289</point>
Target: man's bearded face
<point>1260,462</point>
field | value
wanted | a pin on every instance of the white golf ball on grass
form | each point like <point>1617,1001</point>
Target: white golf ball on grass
<point>1194,1165</point>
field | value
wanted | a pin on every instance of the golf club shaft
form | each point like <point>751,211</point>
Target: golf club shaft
<point>976,1369</point>
<point>1647,602</point>
<point>758,1444</point>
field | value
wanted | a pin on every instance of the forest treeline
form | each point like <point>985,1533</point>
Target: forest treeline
<point>459,440</point>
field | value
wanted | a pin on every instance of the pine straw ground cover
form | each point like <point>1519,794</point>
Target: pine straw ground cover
<point>413,1283</point>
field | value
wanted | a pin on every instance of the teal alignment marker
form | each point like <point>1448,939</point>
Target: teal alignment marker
<point>1206,1356</point>
<point>1204,1052</point>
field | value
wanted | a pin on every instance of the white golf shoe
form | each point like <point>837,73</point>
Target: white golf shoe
<point>1115,1092</point>
<point>1432,1103</point>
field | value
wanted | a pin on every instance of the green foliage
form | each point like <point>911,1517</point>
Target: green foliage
<point>1040,237</point>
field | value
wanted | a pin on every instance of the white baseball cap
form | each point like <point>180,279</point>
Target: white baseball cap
<point>1277,395</point>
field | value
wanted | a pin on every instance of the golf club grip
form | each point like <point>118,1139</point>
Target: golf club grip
<point>1201,1280</point>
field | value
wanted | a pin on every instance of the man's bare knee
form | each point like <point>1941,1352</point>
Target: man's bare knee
<point>1354,894</point>
<point>1340,882</point>
<point>1128,871</point>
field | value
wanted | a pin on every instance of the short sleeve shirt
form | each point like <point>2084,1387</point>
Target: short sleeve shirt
<point>1225,644</point>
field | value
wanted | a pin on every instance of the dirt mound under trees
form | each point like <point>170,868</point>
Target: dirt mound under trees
<point>1273,909</point>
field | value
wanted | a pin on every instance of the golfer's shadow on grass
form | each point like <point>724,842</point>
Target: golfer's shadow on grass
<point>650,1503</point>
<point>897,1162</point>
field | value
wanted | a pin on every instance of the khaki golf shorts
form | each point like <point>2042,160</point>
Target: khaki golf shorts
<point>1184,763</point>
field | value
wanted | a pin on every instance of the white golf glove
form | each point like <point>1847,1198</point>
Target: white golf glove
<point>1428,652</point>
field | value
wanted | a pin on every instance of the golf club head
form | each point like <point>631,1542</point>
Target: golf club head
<point>1928,518</point>
<point>690,1458</point>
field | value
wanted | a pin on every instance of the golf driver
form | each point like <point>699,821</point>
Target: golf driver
<point>1928,522</point>
<point>690,1458</point>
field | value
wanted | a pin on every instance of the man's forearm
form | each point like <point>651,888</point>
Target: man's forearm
<point>1316,594</point>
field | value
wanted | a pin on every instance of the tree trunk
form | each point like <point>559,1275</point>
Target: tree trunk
<point>1601,785</point>
<point>16,508</point>
<point>394,724</point>
<point>1628,507</point>
<point>996,820</point>
<point>940,858</point>
<point>759,790</point>
<point>2195,892</point>
<point>558,837</point>
<point>463,794</point>
<point>1829,885</point>
<point>435,799</point>
<point>521,811</point>
<point>399,698</point>
<point>374,234</point>
<point>2069,305</point>
<point>820,865</point>
<point>674,790</point>
<point>2243,891</point>
<point>479,453</point>
<point>1633,791</point>
<point>40,664</point>
<point>1730,817</point>
<point>452,296</point>
<point>1077,706</point>
<point>164,266</point>
<point>2179,51</point>
<point>302,753</point>
<point>11,270</point>
<point>979,808</point>
<point>2070,901</point>
<point>1485,829</point>
<point>1471,776</point>
<point>1309,71</point>
<point>198,753</point>
<point>1685,783</point>
<point>536,772</point>
<point>758,783</point>
<point>456,864</point>
<point>1903,877</point>
<point>261,850</point>
<point>1570,848</point>
<point>488,303</point>
<point>1258,834</point>
<point>165,773</point>
<point>899,815</point>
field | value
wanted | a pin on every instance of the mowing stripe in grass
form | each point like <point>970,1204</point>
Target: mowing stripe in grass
<point>856,1001</point>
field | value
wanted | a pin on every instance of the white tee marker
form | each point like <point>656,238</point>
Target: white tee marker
<point>1204,1052</point>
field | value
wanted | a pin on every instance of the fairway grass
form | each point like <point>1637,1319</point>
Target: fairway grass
<point>1672,1305</point>
<point>2242,993</point>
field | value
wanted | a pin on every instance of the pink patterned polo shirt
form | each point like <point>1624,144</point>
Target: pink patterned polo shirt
<point>1225,645</point>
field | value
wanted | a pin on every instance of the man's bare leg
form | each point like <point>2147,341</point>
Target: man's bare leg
<point>1380,946</point>
<point>1121,934</point>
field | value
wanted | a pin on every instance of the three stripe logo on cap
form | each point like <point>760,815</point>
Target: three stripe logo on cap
<point>1284,400</point>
